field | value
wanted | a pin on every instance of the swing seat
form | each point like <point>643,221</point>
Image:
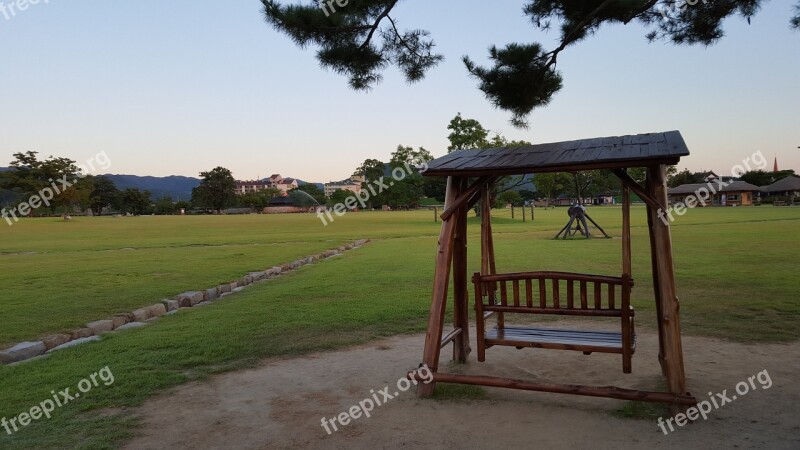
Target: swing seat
<point>527,293</point>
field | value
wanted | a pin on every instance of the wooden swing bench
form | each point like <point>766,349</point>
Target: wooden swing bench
<point>471,175</point>
<point>527,299</point>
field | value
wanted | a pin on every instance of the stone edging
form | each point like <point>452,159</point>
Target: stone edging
<point>140,317</point>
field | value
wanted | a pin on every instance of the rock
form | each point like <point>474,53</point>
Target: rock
<point>81,333</point>
<point>245,281</point>
<point>56,340</point>
<point>225,288</point>
<point>277,270</point>
<point>22,351</point>
<point>191,298</point>
<point>361,242</point>
<point>74,343</point>
<point>121,319</point>
<point>156,310</point>
<point>234,285</point>
<point>238,289</point>
<point>212,294</point>
<point>100,326</point>
<point>128,326</point>
<point>140,315</point>
<point>257,276</point>
<point>202,304</point>
<point>171,305</point>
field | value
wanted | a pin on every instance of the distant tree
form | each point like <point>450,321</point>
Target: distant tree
<point>372,170</point>
<point>551,184</point>
<point>504,198</point>
<point>217,189</point>
<point>339,196</point>
<point>758,177</point>
<point>30,176</point>
<point>134,201</point>
<point>165,207</point>
<point>527,195</point>
<point>183,205</point>
<point>252,200</point>
<point>104,194</point>
<point>466,133</point>
<point>315,192</point>
<point>685,177</point>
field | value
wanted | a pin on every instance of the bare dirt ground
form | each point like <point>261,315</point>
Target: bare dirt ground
<point>281,404</point>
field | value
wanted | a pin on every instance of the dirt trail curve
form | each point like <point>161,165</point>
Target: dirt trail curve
<point>281,404</point>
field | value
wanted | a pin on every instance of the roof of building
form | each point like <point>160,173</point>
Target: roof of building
<point>790,183</point>
<point>597,153</point>
<point>736,186</point>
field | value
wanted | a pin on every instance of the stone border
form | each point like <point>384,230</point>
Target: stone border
<point>140,317</point>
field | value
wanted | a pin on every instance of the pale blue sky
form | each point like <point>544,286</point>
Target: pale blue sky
<point>183,86</point>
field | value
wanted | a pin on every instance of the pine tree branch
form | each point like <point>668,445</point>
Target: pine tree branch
<point>377,23</point>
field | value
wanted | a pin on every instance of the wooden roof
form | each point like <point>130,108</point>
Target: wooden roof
<point>614,152</point>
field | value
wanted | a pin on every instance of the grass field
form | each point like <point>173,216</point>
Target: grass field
<point>735,274</point>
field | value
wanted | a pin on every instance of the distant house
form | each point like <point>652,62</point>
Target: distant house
<point>786,187</point>
<point>353,184</point>
<point>282,184</point>
<point>734,193</point>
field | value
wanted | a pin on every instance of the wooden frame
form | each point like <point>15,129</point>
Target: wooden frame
<point>451,256</point>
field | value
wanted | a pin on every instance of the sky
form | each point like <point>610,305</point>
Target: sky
<point>180,87</point>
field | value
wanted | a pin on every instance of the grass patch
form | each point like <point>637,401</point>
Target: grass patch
<point>642,410</point>
<point>731,265</point>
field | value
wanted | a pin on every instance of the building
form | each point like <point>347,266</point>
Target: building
<point>250,187</point>
<point>785,187</point>
<point>353,184</point>
<point>282,184</point>
<point>733,193</point>
<point>274,182</point>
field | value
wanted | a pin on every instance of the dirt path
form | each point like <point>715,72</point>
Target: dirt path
<point>281,404</point>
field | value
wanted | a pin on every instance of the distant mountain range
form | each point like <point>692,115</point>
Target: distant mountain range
<point>176,187</point>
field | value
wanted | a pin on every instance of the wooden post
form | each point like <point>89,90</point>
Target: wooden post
<point>533,207</point>
<point>523,213</point>
<point>664,284</point>
<point>441,281</point>
<point>512,210</point>
<point>626,231</point>
<point>435,215</point>
<point>460,292</point>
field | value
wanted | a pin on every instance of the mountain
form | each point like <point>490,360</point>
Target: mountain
<point>176,187</point>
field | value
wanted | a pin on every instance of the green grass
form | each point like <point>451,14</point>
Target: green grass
<point>734,268</point>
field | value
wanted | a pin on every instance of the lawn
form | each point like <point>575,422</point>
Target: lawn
<point>734,274</point>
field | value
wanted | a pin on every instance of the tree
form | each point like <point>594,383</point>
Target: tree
<point>762,178</point>
<point>362,39</point>
<point>512,197</point>
<point>313,191</point>
<point>252,200</point>
<point>339,196</point>
<point>372,170</point>
<point>217,189</point>
<point>134,201</point>
<point>466,133</point>
<point>104,194</point>
<point>551,184</point>
<point>30,176</point>
<point>165,207</point>
<point>685,177</point>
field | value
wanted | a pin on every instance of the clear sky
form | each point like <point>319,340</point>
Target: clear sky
<point>176,87</point>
